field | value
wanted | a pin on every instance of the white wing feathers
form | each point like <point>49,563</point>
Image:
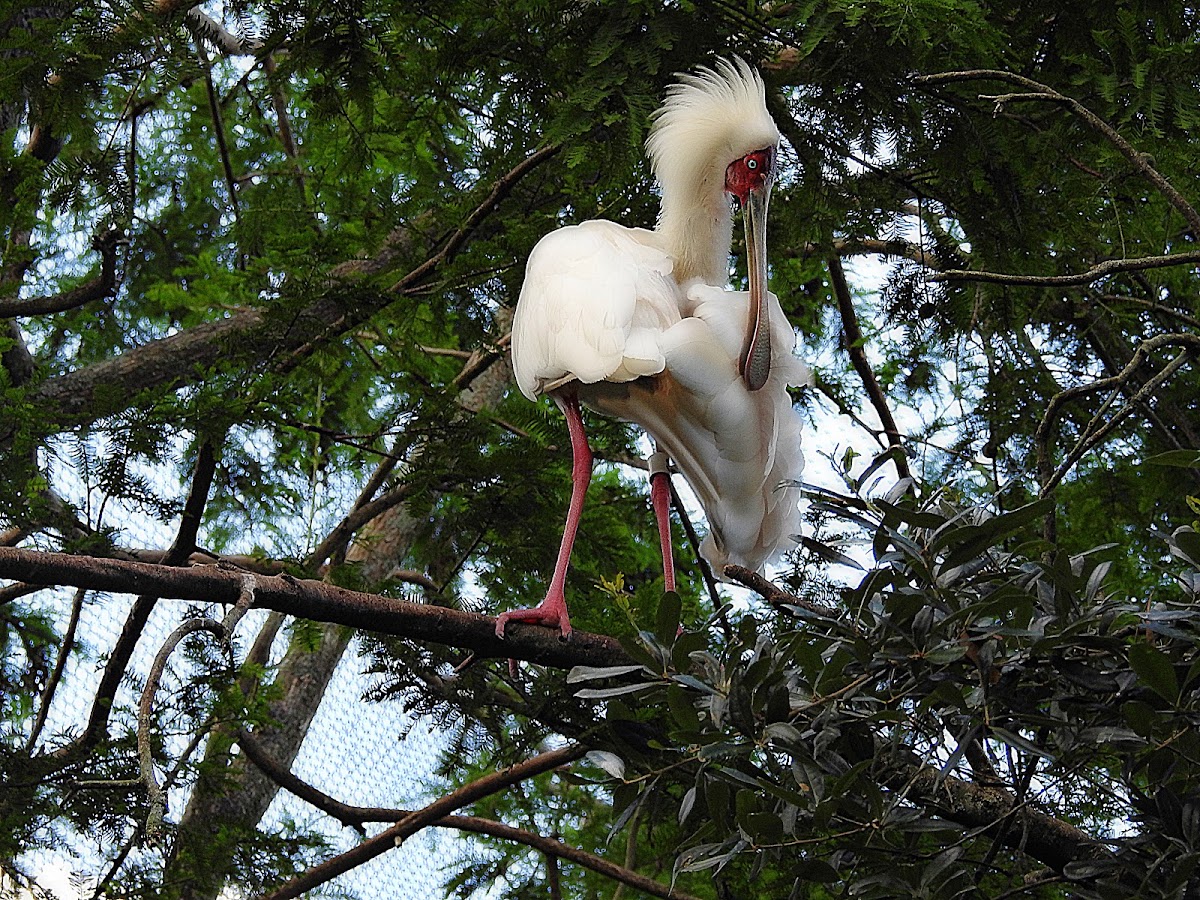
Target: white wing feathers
<point>738,449</point>
<point>749,463</point>
<point>596,299</point>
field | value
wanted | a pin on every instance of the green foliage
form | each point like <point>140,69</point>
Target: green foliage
<point>792,754</point>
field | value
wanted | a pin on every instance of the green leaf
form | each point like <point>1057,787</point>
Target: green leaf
<point>666,626</point>
<point>1155,670</point>
<point>915,517</point>
<point>1185,459</point>
<point>591,673</point>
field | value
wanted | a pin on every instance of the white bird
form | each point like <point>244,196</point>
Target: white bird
<point>636,324</point>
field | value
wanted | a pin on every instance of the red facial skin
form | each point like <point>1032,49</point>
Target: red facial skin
<point>749,173</point>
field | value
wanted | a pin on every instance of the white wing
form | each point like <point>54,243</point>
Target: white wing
<point>597,298</point>
<point>738,449</point>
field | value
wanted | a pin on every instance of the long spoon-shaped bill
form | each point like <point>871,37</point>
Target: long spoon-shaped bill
<point>755,363</point>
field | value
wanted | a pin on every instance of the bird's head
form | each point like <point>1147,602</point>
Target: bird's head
<point>713,139</point>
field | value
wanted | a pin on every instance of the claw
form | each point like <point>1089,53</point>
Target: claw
<point>550,612</point>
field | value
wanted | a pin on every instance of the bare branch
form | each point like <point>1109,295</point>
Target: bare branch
<point>502,188</point>
<point>356,816</point>
<point>852,341</point>
<point>1043,436</point>
<point>1095,273</point>
<point>66,646</point>
<point>224,632</point>
<point>97,288</point>
<point>774,594</point>
<point>139,614</point>
<point>414,822</point>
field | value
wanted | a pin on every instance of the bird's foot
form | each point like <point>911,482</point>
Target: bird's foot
<point>550,612</point>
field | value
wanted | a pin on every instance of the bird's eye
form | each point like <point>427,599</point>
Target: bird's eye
<point>752,164</point>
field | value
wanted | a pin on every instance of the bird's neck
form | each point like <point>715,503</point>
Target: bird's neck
<point>697,232</point>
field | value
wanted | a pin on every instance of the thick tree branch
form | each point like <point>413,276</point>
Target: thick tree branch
<point>411,824</point>
<point>319,602</point>
<point>1039,835</point>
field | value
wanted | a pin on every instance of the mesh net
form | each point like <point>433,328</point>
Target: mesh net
<point>362,753</point>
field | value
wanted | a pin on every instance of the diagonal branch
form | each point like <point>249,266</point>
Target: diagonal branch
<point>1038,91</point>
<point>355,816</point>
<point>1047,475</point>
<point>852,339</point>
<point>414,822</point>
<point>279,335</point>
<point>139,614</point>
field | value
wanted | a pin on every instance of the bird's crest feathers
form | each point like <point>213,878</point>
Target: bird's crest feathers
<point>709,118</point>
<point>717,113</point>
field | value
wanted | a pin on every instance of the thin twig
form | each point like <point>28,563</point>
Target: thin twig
<point>500,190</point>
<point>224,631</point>
<point>1095,273</point>
<point>64,653</point>
<point>1054,408</point>
<point>1090,438</point>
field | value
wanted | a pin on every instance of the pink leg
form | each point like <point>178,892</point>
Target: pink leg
<point>660,499</point>
<point>553,609</point>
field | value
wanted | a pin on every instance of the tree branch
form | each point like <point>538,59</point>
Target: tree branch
<point>277,334</point>
<point>224,632</point>
<point>97,288</point>
<point>1047,475</point>
<point>414,822</point>
<point>1140,161</point>
<point>354,816</point>
<point>318,602</point>
<point>139,614</point>
<point>852,340</point>
<point>1095,273</point>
